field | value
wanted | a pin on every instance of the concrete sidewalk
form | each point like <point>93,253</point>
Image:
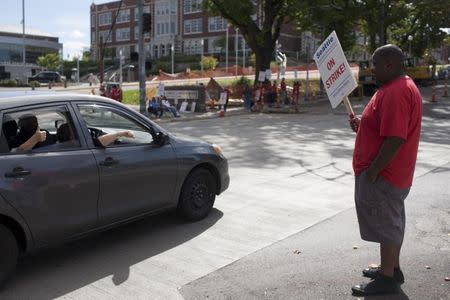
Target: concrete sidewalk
<point>324,261</point>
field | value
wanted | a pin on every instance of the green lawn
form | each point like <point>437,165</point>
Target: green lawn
<point>131,97</point>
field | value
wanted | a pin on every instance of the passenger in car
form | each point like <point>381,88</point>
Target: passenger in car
<point>28,137</point>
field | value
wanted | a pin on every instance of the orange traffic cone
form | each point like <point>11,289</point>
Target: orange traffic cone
<point>433,93</point>
<point>445,90</point>
<point>222,114</point>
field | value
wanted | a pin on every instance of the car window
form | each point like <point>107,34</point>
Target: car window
<point>102,120</point>
<point>20,130</point>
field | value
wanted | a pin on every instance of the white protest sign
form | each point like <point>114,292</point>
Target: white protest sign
<point>268,74</point>
<point>223,98</point>
<point>334,70</point>
<point>183,106</point>
<point>160,91</point>
<point>262,76</point>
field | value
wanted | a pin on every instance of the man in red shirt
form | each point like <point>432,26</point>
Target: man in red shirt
<point>384,159</point>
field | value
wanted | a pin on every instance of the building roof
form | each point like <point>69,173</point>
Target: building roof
<point>16,29</point>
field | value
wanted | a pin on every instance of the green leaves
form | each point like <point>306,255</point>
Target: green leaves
<point>49,61</point>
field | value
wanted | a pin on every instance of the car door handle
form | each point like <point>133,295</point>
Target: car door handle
<point>17,172</point>
<point>109,161</point>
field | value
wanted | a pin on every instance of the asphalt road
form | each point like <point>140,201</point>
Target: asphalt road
<point>288,173</point>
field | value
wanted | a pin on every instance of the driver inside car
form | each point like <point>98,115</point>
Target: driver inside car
<point>105,140</point>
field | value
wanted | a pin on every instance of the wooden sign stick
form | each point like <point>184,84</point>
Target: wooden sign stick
<point>349,108</point>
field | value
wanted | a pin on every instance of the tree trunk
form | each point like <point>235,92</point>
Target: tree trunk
<point>263,58</point>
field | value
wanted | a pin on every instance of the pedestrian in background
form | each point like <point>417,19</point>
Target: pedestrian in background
<point>248,95</point>
<point>384,159</point>
<point>283,91</point>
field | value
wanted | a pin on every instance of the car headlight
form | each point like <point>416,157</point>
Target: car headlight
<point>217,149</point>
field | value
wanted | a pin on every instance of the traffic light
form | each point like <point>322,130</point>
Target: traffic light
<point>134,56</point>
<point>146,22</point>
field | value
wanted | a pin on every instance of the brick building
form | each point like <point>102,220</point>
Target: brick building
<point>182,24</point>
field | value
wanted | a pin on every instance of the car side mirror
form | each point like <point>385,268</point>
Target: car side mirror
<point>161,139</point>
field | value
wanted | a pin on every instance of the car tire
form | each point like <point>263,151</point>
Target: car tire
<point>9,254</point>
<point>197,195</point>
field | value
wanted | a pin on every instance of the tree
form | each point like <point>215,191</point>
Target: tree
<point>261,32</point>
<point>50,61</point>
<point>323,16</point>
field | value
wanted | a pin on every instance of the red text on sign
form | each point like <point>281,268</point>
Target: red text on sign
<point>333,77</point>
<point>330,64</point>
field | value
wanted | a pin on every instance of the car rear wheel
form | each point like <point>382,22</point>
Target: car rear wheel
<point>9,253</point>
<point>197,195</point>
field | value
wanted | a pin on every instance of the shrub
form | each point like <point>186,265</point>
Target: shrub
<point>9,83</point>
<point>209,62</point>
<point>34,84</point>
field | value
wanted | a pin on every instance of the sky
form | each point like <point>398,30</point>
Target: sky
<point>66,19</point>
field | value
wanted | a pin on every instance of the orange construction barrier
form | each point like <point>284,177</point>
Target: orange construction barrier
<point>433,93</point>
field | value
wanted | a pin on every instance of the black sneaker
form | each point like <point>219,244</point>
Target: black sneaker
<point>379,286</point>
<point>374,272</point>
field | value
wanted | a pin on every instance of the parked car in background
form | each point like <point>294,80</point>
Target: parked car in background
<point>47,76</point>
<point>111,90</point>
<point>100,165</point>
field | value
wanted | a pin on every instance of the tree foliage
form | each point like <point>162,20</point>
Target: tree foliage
<point>259,24</point>
<point>50,61</point>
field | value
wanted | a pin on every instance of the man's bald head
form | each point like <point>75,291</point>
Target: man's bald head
<point>388,62</point>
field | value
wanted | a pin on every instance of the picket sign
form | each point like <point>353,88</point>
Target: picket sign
<point>335,72</point>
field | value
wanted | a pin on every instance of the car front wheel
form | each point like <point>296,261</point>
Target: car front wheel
<point>9,253</point>
<point>197,195</point>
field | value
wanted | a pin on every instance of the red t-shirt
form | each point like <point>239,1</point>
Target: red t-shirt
<point>283,86</point>
<point>394,110</point>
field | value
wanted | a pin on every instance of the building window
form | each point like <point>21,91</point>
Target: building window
<point>105,19</point>
<point>172,27</point>
<point>93,20</point>
<point>136,33</point>
<point>92,37</point>
<point>217,24</point>
<point>173,8</point>
<point>104,34</point>
<point>123,16</point>
<point>193,26</point>
<point>136,12</point>
<point>163,50</point>
<point>158,29</point>
<point>192,6</point>
<point>123,34</point>
<point>155,51</point>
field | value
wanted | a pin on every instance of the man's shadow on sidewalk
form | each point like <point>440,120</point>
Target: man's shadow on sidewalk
<point>400,296</point>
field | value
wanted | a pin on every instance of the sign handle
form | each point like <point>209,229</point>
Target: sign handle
<point>349,108</point>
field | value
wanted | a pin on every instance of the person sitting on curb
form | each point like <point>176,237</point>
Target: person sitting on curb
<point>167,106</point>
<point>154,108</point>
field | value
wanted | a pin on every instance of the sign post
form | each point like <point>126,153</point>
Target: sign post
<point>335,71</point>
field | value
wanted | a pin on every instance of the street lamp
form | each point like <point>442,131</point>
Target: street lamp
<point>172,50</point>
<point>307,68</point>
<point>236,48</point>
<point>410,38</point>
<point>201,60</point>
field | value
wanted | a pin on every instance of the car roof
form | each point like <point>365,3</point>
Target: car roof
<point>23,98</point>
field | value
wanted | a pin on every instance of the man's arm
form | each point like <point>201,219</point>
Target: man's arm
<point>387,153</point>
<point>38,136</point>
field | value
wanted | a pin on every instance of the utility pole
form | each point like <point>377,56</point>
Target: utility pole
<point>23,40</point>
<point>121,60</point>
<point>201,57</point>
<point>243,52</point>
<point>226,49</point>
<point>141,60</point>
<point>307,69</point>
